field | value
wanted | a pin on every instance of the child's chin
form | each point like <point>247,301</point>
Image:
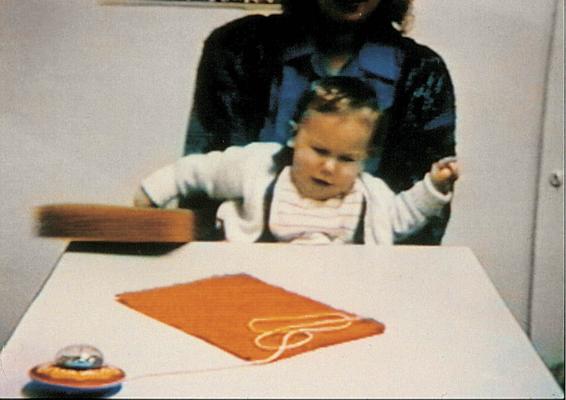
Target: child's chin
<point>317,195</point>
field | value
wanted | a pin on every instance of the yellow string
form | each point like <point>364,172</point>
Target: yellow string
<point>306,329</point>
<point>333,321</point>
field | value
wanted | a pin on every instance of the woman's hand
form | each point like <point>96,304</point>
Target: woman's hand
<point>142,200</point>
<point>444,173</point>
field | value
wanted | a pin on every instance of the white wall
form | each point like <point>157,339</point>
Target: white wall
<point>547,293</point>
<point>94,97</point>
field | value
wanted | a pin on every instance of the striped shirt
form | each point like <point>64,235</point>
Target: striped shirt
<point>297,219</point>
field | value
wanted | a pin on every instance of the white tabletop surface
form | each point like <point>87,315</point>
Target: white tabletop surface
<point>448,333</point>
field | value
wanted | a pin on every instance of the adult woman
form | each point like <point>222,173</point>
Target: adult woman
<point>254,69</point>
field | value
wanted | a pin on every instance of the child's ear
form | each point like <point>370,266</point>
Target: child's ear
<point>293,127</point>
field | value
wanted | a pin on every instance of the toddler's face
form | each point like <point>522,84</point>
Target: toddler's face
<point>329,154</point>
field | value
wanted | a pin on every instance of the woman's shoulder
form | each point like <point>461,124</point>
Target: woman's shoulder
<point>414,49</point>
<point>419,53</point>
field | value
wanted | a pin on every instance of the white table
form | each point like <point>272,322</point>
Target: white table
<point>448,333</point>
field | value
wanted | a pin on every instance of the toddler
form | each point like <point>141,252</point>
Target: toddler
<point>313,189</point>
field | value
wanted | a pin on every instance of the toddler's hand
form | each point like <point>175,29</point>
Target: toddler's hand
<point>142,200</point>
<point>444,173</point>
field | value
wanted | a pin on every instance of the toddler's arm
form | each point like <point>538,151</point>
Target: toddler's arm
<point>444,173</point>
<point>214,174</point>
<point>218,174</point>
<point>425,199</point>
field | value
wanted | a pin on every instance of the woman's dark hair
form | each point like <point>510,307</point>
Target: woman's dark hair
<point>389,13</point>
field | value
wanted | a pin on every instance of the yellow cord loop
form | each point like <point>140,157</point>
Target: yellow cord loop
<point>312,323</point>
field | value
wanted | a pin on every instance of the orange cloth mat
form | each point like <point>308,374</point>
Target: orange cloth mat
<point>218,310</point>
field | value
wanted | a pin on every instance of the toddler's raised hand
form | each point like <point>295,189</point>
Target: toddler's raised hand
<point>444,173</point>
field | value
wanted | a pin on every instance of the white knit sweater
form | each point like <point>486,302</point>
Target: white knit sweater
<point>241,176</point>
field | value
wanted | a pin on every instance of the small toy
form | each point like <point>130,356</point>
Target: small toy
<point>77,368</point>
<point>79,357</point>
